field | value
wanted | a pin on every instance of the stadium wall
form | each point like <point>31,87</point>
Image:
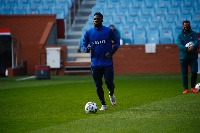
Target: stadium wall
<point>33,32</point>
<point>134,59</point>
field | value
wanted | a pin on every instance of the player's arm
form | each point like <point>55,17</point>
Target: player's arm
<point>196,43</point>
<point>116,44</point>
<point>85,47</point>
<point>180,44</point>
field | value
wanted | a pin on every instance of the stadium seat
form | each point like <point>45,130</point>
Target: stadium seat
<point>59,11</point>
<point>129,25</point>
<point>106,22</point>
<point>184,17</point>
<point>120,17</point>
<point>11,3</point>
<point>195,27</point>
<point>101,2</point>
<point>169,22</point>
<point>132,18</point>
<point>145,16</point>
<point>157,23</point>
<point>20,10</point>
<point>24,3</point>
<point>177,30</point>
<point>98,8</point>
<point>153,40</point>
<point>33,10</point>
<point>148,9</point>
<point>139,35</point>
<point>117,23</point>
<point>109,9</point>
<point>166,36</point>
<point>152,32</point>
<point>50,3</point>
<point>165,2</point>
<point>64,3</point>
<point>121,9</point>
<point>37,3</point>
<point>127,36</point>
<point>113,2</point>
<point>45,10</point>
<point>85,28</point>
<point>158,17</point>
<point>174,9</point>
<point>135,9</point>
<point>6,10</point>
<point>143,23</point>
<point>162,8</point>
<point>126,2</point>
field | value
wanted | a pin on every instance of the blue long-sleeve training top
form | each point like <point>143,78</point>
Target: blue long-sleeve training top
<point>100,42</point>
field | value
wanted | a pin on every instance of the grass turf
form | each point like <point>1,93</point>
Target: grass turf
<point>145,103</point>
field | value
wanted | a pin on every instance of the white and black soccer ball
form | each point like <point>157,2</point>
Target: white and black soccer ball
<point>197,86</point>
<point>189,44</point>
<point>91,107</point>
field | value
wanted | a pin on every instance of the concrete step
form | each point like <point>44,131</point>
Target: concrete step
<point>68,42</point>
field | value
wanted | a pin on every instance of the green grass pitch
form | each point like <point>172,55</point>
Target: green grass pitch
<point>146,103</point>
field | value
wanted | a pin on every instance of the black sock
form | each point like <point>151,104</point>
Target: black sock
<point>100,94</point>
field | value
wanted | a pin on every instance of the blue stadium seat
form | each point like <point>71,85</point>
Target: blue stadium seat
<point>171,17</point>
<point>165,2</point>
<point>11,3</point>
<point>19,10</point>
<point>157,23</point>
<point>90,23</point>
<point>135,9</point>
<point>152,32</point>
<point>184,17</point>
<point>174,9</point>
<point>106,22</point>
<point>50,3</point>
<point>45,10</point>
<point>139,2</point>
<point>189,8</point>
<point>166,36</point>
<point>121,9</point>
<point>153,40</point>
<point>118,24</point>
<point>24,3</point>
<point>126,2</point>
<point>145,15</point>
<point>85,28</point>
<point>120,17</point>
<point>127,36</point>
<point>169,22</point>
<point>2,3</point>
<point>33,10</point>
<point>162,8</point>
<point>195,27</point>
<point>113,2</point>
<point>59,11</point>
<point>98,8</point>
<point>158,17</point>
<point>132,18</point>
<point>37,3</point>
<point>139,35</point>
<point>64,3</point>
<point>109,9</point>
<point>6,10</point>
<point>101,2</point>
<point>143,23</point>
<point>148,9</point>
<point>130,25</point>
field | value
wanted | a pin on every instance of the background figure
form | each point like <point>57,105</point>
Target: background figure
<point>117,33</point>
<point>188,43</point>
<point>99,37</point>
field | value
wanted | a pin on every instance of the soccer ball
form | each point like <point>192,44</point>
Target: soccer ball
<point>198,86</point>
<point>91,107</point>
<point>189,44</point>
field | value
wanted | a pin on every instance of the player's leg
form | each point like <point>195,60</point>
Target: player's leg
<point>97,74</point>
<point>194,69</point>
<point>109,79</point>
<point>184,70</point>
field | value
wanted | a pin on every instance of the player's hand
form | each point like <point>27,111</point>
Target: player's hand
<point>108,55</point>
<point>88,49</point>
<point>190,49</point>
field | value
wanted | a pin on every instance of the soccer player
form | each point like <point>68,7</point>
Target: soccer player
<point>99,37</point>
<point>188,55</point>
